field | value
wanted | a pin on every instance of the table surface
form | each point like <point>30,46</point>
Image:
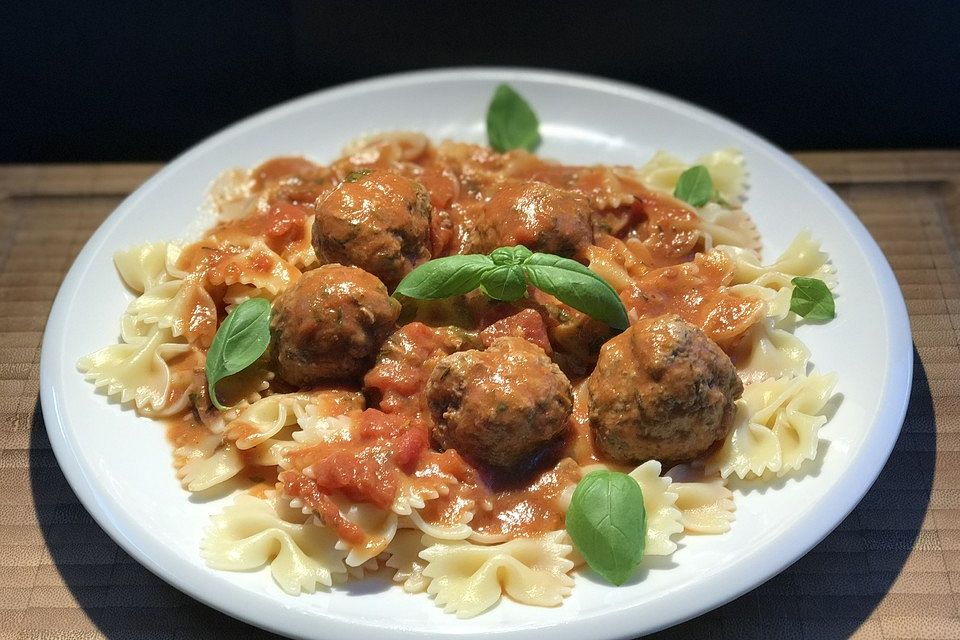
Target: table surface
<point>890,570</point>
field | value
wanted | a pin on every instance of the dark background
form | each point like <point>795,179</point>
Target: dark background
<point>91,81</point>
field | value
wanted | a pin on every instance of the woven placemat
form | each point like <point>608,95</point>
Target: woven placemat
<point>890,570</point>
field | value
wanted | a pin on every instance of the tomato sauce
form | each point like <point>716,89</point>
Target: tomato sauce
<point>293,179</point>
<point>527,324</point>
<point>383,458</point>
<point>696,292</point>
<point>387,456</point>
<point>526,503</point>
<point>530,507</point>
<point>405,364</point>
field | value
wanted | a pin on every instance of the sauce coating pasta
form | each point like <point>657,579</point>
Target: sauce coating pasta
<point>461,425</point>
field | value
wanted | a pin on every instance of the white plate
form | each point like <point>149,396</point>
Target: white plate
<point>120,465</point>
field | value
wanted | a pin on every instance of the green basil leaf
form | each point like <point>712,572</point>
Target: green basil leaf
<point>694,186</point>
<point>504,283</point>
<point>551,260</point>
<point>444,277</point>
<point>240,340</point>
<point>574,284</point>
<point>510,255</point>
<point>608,523</point>
<point>511,123</point>
<point>812,300</point>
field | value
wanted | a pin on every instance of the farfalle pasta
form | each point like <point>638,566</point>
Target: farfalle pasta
<point>467,579</point>
<point>257,266</point>
<point>442,437</point>
<point>144,372</point>
<point>403,556</point>
<point>723,227</point>
<point>143,267</point>
<point>169,306</point>
<point>659,500</point>
<point>705,507</point>
<point>207,462</point>
<point>776,427</point>
<point>253,533</point>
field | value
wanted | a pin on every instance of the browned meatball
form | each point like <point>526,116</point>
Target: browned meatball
<point>330,324</point>
<point>661,391</point>
<point>499,406</point>
<point>536,215</point>
<point>378,221</point>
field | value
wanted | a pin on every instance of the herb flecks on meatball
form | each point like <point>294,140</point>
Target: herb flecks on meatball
<point>661,391</point>
<point>500,406</point>
<point>536,215</point>
<point>376,220</point>
<point>330,324</point>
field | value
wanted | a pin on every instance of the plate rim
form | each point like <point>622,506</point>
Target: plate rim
<point>236,602</point>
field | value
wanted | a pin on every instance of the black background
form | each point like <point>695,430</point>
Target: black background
<point>90,81</point>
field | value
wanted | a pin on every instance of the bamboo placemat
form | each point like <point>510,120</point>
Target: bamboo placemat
<point>891,570</point>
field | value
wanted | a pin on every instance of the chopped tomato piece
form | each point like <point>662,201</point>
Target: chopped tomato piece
<point>376,424</point>
<point>528,324</point>
<point>359,475</point>
<point>408,448</point>
<point>284,224</point>
<point>297,485</point>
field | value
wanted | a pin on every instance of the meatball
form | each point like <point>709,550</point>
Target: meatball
<point>330,325</point>
<point>661,391</point>
<point>376,220</point>
<point>499,406</point>
<point>536,215</point>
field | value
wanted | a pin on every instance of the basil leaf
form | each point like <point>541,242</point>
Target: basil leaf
<point>694,186</point>
<point>608,523</point>
<point>444,277</point>
<point>812,300</point>
<point>504,283</point>
<point>240,340</point>
<point>511,123</point>
<point>574,284</point>
<point>510,255</point>
<point>504,275</point>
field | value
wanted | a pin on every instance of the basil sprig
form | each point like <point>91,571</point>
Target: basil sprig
<point>511,123</point>
<point>506,280</point>
<point>812,300</point>
<point>694,186</point>
<point>505,274</point>
<point>240,340</point>
<point>608,523</point>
